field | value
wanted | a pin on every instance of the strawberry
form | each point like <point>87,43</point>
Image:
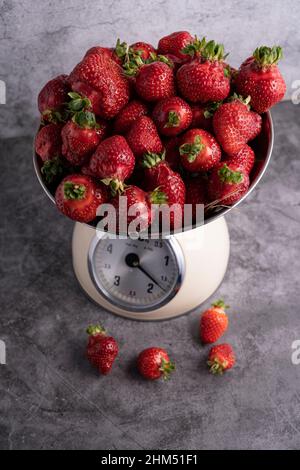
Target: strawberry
<point>143,49</point>
<point>52,98</point>
<point>172,152</point>
<point>199,151</point>
<point>195,194</point>
<point>256,125</point>
<point>244,159</point>
<point>227,184</point>
<point>102,350</point>
<point>128,115</point>
<point>143,137</point>
<point>155,81</point>
<point>154,363</point>
<point>101,80</point>
<point>48,142</point>
<point>79,196</point>
<point>135,197</point>
<point>221,358</point>
<point>213,322</point>
<point>81,136</point>
<point>172,116</point>
<point>260,78</point>
<point>175,43</point>
<point>113,162</point>
<point>234,124</point>
<point>167,187</point>
<point>206,79</point>
<point>203,114</point>
<point>108,52</point>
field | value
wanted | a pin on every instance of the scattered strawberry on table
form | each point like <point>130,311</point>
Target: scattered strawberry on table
<point>214,322</point>
<point>181,99</point>
<point>102,350</point>
<point>154,363</point>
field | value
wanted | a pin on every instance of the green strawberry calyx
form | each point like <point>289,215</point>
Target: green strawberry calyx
<point>191,150</point>
<point>267,56</point>
<point>166,368</point>
<point>74,191</point>
<point>95,330</point>
<point>173,119</point>
<point>158,197</point>
<point>116,186</point>
<point>131,59</point>
<point>54,117</point>
<point>85,120</point>
<point>236,97</point>
<point>195,47</point>
<point>216,366</point>
<point>220,303</point>
<point>159,58</point>
<point>227,175</point>
<point>151,159</point>
<point>211,109</point>
<point>52,169</point>
<point>213,51</point>
<point>77,102</point>
<point>79,108</point>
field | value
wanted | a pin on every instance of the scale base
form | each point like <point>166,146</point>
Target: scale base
<point>206,253</point>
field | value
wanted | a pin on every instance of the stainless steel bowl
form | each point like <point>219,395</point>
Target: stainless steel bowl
<point>262,145</point>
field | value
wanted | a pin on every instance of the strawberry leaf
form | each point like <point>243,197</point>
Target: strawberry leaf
<point>227,175</point>
<point>191,150</point>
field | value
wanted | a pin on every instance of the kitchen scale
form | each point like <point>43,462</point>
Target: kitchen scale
<point>156,279</point>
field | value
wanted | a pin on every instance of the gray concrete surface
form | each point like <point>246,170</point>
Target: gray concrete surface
<point>50,398</point>
<point>39,40</point>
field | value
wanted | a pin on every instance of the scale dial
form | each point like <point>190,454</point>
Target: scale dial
<point>136,275</point>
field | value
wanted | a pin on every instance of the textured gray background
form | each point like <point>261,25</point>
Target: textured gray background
<point>40,39</point>
<point>50,398</point>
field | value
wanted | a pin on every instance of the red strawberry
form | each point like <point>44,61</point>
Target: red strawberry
<point>101,80</point>
<point>104,51</point>
<point>257,125</point>
<point>203,114</point>
<point>168,190</point>
<point>234,125</point>
<point>78,197</point>
<point>128,115</point>
<point>102,350</point>
<point>206,79</point>
<point>154,165</point>
<point>173,61</point>
<point>195,195</point>
<point>244,159</point>
<point>135,197</point>
<point>52,98</point>
<point>143,49</point>
<point>199,151</point>
<point>143,137</point>
<point>174,44</point>
<point>154,363</point>
<point>81,137</point>
<point>113,162</point>
<point>213,322</point>
<point>172,116</point>
<point>172,152</point>
<point>155,81</point>
<point>260,78</point>
<point>227,184</point>
<point>221,358</point>
<point>48,142</point>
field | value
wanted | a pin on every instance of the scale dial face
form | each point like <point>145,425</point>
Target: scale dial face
<point>136,275</point>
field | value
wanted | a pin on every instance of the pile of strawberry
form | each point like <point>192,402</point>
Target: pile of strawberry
<point>160,126</point>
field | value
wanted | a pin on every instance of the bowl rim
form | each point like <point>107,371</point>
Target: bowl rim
<point>220,213</point>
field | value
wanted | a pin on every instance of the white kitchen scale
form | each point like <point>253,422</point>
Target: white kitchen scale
<point>158,279</point>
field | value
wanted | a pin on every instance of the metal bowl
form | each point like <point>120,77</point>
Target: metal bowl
<point>262,146</point>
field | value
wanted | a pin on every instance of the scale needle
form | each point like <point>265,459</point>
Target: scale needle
<point>133,261</point>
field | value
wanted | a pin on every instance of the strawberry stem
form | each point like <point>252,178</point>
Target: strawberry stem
<point>95,330</point>
<point>74,191</point>
<point>151,159</point>
<point>192,149</point>
<point>266,56</point>
<point>52,169</point>
<point>213,51</point>
<point>166,367</point>
<point>195,47</point>
<point>77,102</point>
<point>220,303</point>
<point>158,197</point>
<point>116,186</point>
<point>85,120</point>
<point>173,119</point>
<point>229,176</point>
<point>217,367</point>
